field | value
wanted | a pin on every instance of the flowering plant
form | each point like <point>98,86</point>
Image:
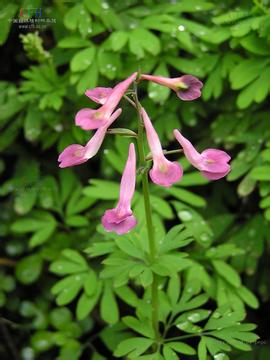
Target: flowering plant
<point>156,262</point>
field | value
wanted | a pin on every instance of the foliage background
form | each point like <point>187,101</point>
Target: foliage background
<point>45,210</point>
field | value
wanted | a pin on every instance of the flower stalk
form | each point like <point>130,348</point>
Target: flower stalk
<point>148,216</point>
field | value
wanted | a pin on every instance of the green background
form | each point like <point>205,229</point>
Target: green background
<point>45,210</point>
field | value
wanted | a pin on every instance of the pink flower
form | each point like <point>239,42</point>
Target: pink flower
<point>212,163</point>
<point>89,119</point>
<point>76,154</point>
<point>187,87</point>
<point>121,219</point>
<point>99,94</point>
<point>163,172</point>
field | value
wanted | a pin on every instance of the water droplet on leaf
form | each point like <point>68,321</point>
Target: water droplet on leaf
<point>185,215</point>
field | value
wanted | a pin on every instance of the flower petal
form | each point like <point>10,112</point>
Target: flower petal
<point>114,216</point>
<point>89,119</point>
<point>166,178</point>
<point>152,136</point>
<point>128,180</point>
<point>117,93</point>
<point>99,94</point>
<point>193,156</point>
<point>72,155</point>
<point>215,176</point>
<point>120,228</point>
<point>216,154</point>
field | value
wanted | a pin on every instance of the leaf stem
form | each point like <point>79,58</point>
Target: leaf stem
<point>165,152</point>
<point>148,216</point>
<point>183,337</point>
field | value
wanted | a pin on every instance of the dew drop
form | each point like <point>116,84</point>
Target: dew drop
<point>153,94</point>
<point>220,356</point>
<point>201,33</point>
<point>216,315</point>
<point>181,28</point>
<point>183,325</point>
<point>204,237</point>
<point>132,25</point>
<point>58,128</point>
<point>105,5</point>
<point>185,215</point>
<point>194,317</point>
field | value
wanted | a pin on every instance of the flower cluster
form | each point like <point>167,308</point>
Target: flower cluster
<point>212,163</point>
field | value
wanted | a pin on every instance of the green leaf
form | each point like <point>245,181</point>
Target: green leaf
<point>71,350</point>
<point>181,348</point>
<point>63,267</point>
<point>108,306</point>
<point>109,64</point>
<point>73,16</point>
<point>118,40</point>
<point>156,92</point>
<point>227,272</point>
<point>134,347</point>
<point>248,297</point>
<point>146,277</point>
<point>77,221</point>
<point>168,353</point>
<point>60,317</point>
<point>101,189</point>
<point>90,283</point>
<point>246,71</point>
<point>94,6</point>
<point>82,59</point>
<point>147,39</point>
<point>261,173</point>
<point>142,328</point>
<point>202,350</point>
<point>86,304</point>
<point>126,294</point>
<point>174,289</point>
<point>187,196</point>
<point>88,79</point>
<point>42,223</point>
<point>42,341</point>
<point>170,264</point>
<point>7,13</point>
<point>255,44</point>
<point>28,269</point>
<point>73,42</point>
<point>25,200</point>
<point>69,293</point>
<point>75,256</point>
<point>32,124</point>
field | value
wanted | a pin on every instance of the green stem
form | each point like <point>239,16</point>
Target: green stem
<point>148,216</point>
<point>183,337</point>
<point>166,152</point>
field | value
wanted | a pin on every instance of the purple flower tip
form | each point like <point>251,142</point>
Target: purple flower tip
<point>191,88</point>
